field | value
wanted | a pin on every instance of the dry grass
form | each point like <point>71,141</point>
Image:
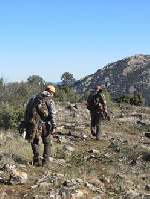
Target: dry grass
<point>121,163</point>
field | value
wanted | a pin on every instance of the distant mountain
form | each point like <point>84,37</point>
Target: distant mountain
<point>57,83</point>
<point>129,75</point>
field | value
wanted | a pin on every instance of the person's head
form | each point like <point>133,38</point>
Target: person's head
<point>50,89</point>
<point>98,88</point>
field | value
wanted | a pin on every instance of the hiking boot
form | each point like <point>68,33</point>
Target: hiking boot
<point>36,162</point>
<point>93,133</point>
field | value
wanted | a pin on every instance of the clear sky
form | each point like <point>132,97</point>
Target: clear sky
<point>50,37</point>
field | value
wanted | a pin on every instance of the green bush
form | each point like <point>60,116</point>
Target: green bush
<point>10,117</point>
<point>65,93</point>
<point>136,100</point>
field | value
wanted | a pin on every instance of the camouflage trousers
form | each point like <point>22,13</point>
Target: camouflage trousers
<point>41,131</point>
<point>96,124</point>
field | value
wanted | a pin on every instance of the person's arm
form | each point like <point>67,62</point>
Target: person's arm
<point>104,105</point>
<point>52,113</point>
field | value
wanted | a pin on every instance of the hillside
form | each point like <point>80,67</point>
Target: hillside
<point>81,167</point>
<point>129,75</point>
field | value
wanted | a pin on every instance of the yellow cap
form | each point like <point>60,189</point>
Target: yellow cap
<point>51,88</point>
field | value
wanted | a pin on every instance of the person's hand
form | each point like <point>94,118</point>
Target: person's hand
<point>53,131</point>
<point>105,113</point>
<point>107,116</point>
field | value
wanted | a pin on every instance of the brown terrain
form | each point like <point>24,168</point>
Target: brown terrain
<point>117,166</point>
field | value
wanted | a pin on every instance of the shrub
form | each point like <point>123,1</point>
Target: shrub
<point>10,117</point>
<point>136,100</point>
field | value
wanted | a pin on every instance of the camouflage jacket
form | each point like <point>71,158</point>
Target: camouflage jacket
<point>96,102</point>
<point>51,108</point>
<point>52,112</point>
<point>32,115</point>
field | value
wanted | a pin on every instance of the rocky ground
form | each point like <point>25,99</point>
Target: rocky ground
<point>117,166</point>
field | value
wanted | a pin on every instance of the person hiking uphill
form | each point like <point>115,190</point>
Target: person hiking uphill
<point>96,104</point>
<point>41,121</point>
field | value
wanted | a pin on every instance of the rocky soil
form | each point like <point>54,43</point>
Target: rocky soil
<point>117,166</point>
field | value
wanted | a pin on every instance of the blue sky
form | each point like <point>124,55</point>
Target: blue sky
<point>50,37</point>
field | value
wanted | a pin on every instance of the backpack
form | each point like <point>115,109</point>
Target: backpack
<point>94,102</point>
<point>41,107</point>
<point>36,110</point>
<point>90,102</point>
<point>37,106</point>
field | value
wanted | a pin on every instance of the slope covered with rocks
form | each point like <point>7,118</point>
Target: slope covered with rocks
<point>129,75</point>
<point>118,166</point>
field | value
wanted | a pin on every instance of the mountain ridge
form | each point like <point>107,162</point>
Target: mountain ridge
<point>126,76</point>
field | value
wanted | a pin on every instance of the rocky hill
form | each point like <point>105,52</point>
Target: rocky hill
<point>129,75</point>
